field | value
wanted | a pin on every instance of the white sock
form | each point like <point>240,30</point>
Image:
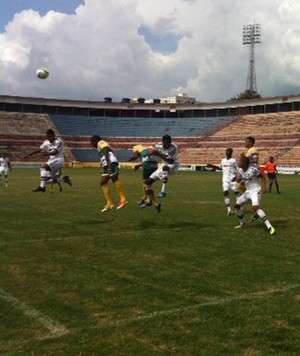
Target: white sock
<point>264,218</point>
<point>227,203</point>
<point>44,175</point>
<point>164,188</point>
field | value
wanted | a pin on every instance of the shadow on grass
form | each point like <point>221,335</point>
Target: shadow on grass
<point>93,221</point>
<point>153,225</point>
<point>281,222</point>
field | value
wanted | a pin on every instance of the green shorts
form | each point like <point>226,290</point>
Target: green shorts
<point>148,168</point>
<point>115,169</point>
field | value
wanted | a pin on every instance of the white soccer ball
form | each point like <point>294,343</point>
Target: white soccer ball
<point>42,73</point>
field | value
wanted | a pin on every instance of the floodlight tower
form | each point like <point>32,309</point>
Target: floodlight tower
<point>251,36</point>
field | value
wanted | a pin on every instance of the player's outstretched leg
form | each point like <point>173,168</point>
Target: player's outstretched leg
<point>266,221</point>
<point>240,214</point>
<point>67,180</point>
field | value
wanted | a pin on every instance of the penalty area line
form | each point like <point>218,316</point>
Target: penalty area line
<point>227,300</point>
<point>55,329</point>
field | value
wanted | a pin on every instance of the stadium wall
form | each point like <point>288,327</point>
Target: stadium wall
<point>192,125</point>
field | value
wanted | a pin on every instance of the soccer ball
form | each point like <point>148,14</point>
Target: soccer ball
<point>42,73</point>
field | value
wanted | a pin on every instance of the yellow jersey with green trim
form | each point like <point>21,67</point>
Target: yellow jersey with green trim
<point>112,157</point>
<point>252,154</point>
<point>146,153</point>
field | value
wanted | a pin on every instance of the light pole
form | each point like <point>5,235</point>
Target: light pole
<point>251,36</point>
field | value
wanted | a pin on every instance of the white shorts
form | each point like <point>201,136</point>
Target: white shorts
<point>56,165</point>
<point>254,197</point>
<point>158,174</point>
<point>227,185</point>
<point>4,171</point>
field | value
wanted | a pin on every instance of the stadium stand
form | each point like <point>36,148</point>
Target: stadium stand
<point>24,132</point>
<point>276,134</point>
<point>201,140</point>
<point>123,133</point>
<point>137,127</point>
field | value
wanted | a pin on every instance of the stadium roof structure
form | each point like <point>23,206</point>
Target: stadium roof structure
<point>7,99</point>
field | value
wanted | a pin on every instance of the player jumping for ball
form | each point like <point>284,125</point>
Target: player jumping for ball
<point>54,148</point>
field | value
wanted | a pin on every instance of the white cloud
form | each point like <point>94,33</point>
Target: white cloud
<point>100,51</point>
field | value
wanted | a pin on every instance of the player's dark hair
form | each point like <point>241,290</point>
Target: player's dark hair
<point>50,132</point>
<point>95,138</point>
<point>167,138</point>
<point>251,139</point>
<point>245,160</point>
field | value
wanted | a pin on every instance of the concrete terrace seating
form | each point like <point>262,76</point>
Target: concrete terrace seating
<point>200,140</point>
<point>137,127</point>
<point>263,124</point>
<point>276,134</point>
<point>291,157</point>
<point>123,133</point>
<point>81,147</point>
<point>214,155</point>
<point>13,123</point>
<point>127,143</point>
<point>24,132</point>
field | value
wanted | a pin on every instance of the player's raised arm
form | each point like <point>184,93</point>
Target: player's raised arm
<point>163,156</point>
<point>32,153</point>
<point>214,167</point>
<point>134,157</point>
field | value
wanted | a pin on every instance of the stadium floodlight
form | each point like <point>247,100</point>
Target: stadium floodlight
<point>251,36</point>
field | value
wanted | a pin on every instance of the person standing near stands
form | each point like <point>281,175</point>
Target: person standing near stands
<point>5,168</point>
<point>54,148</point>
<point>271,169</point>
<point>110,170</point>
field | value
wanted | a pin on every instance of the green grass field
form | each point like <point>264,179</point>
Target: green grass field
<point>133,282</point>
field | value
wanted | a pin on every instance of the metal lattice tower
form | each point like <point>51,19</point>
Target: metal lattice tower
<point>251,36</point>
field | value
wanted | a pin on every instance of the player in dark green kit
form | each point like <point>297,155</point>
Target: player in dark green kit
<point>149,157</point>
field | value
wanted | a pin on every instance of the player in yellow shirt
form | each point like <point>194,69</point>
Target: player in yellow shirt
<point>110,170</point>
<point>252,154</point>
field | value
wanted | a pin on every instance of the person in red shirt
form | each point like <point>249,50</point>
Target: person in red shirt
<point>271,168</point>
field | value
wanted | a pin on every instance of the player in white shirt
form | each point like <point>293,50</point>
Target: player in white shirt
<point>250,175</point>
<point>54,148</point>
<point>229,167</point>
<point>169,167</point>
<point>5,168</point>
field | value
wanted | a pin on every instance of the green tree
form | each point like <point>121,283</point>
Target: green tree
<point>246,95</point>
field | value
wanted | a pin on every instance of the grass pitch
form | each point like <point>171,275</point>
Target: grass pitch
<point>75,281</point>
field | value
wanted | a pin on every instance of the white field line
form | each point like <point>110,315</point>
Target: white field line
<point>54,328</point>
<point>250,296</point>
<point>57,330</point>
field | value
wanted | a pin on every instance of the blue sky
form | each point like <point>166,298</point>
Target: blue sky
<point>8,8</point>
<point>148,48</point>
